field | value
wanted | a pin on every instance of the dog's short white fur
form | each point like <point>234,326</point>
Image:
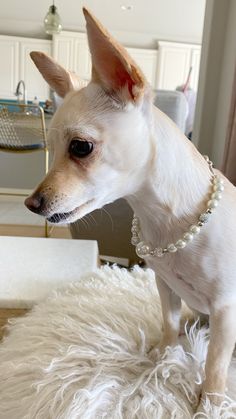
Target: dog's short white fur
<point>139,154</point>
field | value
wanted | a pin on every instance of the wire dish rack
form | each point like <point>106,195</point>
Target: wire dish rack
<point>23,130</point>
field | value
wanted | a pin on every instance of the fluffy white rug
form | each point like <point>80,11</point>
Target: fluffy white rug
<point>83,354</point>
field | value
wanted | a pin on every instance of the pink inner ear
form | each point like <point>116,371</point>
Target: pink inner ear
<point>113,73</point>
<point>112,66</point>
<point>124,78</point>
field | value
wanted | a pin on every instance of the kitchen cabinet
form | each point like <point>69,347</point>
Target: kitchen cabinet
<point>9,71</point>
<point>165,67</point>
<point>63,49</point>
<point>35,84</point>
<point>16,65</point>
<point>147,61</point>
<point>174,61</point>
<point>82,57</point>
<point>71,50</point>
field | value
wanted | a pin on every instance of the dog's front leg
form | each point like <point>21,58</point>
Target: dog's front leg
<point>171,312</point>
<point>222,341</point>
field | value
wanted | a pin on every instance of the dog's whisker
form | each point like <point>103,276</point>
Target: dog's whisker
<point>85,221</point>
<point>90,216</point>
<point>110,218</point>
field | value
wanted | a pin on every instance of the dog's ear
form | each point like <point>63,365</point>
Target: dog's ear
<point>59,79</point>
<point>113,68</point>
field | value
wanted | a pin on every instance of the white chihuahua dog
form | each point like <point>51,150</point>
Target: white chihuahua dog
<point>109,141</point>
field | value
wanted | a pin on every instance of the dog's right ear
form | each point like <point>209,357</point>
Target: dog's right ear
<point>112,66</point>
<point>59,79</point>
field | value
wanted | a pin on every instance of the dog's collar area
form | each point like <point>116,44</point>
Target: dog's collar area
<point>144,249</point>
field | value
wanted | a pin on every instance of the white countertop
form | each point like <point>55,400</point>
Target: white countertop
<point>14,212</point>
<point>30,268</point>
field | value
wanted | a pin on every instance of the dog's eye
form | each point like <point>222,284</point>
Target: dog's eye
<point>80,148</point>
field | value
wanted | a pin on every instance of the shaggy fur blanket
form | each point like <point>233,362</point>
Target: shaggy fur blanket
<point>84,354</point>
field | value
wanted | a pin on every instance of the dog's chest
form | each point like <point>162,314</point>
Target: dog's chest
<point>187,282</point>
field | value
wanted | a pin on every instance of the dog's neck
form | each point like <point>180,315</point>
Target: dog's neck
<point>176,184</point>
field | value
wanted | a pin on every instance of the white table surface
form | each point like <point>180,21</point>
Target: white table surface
<point>30,268</point>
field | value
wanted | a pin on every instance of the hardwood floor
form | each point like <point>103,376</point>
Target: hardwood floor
<point>7,313</point>
<point>34,231</point>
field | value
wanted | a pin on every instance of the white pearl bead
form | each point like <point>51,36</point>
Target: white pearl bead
<point>216,195</point>
<point>180,244</point>
<point>135,229</point>
<point>143,249</point>
<point>218,188</point>
<point>213,203</point>
<point>194,229</point>
<point>218,180</point>
<point>171,248</point>
<point>204,217</point>
<point>135,241</point>
<point>135,222</point>
<point>188,237</point>
<point>158,252</point>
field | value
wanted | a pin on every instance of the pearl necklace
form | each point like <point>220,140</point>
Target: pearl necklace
<point>144,249</point>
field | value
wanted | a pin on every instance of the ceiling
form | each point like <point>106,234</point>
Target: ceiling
<point>164,19</point>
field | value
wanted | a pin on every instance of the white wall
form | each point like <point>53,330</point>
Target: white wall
<point>216,78</point>
<point>149,20</point>
<point>225,85</point>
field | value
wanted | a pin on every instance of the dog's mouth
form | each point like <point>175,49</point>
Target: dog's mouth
<point>65,217</point>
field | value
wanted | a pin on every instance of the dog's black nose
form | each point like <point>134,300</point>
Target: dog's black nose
<point>35,203</point>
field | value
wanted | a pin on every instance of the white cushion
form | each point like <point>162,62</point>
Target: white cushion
<point>84,353</point>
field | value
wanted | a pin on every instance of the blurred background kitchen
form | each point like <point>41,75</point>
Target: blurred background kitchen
<point>187,51</point>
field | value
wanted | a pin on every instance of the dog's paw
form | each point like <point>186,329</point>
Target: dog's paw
<point>201,410</point>
<point>154,354</point>
<point>159,350</point>
<point>208,408</point>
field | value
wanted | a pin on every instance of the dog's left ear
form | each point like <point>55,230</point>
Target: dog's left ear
<point>58,78</point>
<point>113,68</point>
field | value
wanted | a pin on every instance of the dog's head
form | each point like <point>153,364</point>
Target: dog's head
<point>98,135</point>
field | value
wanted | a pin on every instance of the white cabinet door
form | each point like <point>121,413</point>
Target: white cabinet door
<point>63,50</point>
<point>71,50</point>
<point>147,61</point>
<point>9,69</point>
<point>82,59</point>
<point>34,82</point>
<point>173,65</point>
<point>17,65</point>
<point>174,62</point>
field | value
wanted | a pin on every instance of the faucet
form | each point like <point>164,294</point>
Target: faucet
<point>18,93</point>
